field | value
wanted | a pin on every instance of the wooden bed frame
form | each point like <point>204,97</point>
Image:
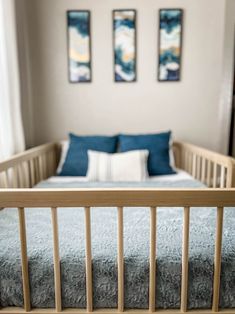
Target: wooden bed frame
<point>20,173</point>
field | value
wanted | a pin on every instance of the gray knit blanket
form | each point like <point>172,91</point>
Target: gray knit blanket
<point>104,255</point>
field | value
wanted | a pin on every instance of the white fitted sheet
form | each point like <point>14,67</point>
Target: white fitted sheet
<point>180,175</point>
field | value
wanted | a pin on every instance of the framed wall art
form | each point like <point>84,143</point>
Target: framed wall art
<point>79,46</point>
<point>124,41</point>
<point>170,44</point>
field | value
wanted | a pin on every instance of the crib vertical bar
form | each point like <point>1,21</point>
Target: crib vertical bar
<point>14,177</point>
<point>40,163</point>
<point>215,175</point>
<point>217,261</point>
<point>198,171</point>
<point>229,176</point>
<point>203,174</point>
<point>57,277</point>
<point>26,174</point>
<point>120,261</point>
<point>208,181</point>
<point>183,161</point>
<point>190,162</point>
<point>20,175</point>
<point>36,166</point>
<point>152,266</point>
<point>88,260</point>
<point>24,259</point>
<point>32,172</point>
<point>194,173</point>
<point>186,161</point>
<point>4,180</point>
<point>222,177</point>
<point>185,250</point>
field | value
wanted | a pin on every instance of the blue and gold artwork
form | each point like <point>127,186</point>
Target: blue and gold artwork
<point>124,23</point>
<point>79,50</point>
<point>170,38</point>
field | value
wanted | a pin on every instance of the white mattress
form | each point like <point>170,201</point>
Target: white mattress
<point>180,175</point>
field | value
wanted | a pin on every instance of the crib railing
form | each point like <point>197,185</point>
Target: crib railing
<point>212,169</point>
<point>30,167</point>
<point>152,198</point>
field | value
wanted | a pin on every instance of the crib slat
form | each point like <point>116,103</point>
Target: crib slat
<point>88,260</point>
<point>152,266</point>
<point>222,177</point>
<point>14,177</point>
<point>215,176</point>
<point>26,174</point>
<point>194,173</point>
<point>36,166</point>
<point>190,162</point>
<point>208,181</point>
<point>3,180</point>
<point>198,172</point>
<point>120,261</point>
<point>185,250</point>
<point>20,174</point>
<point>57,277</point>
<point>186,160</point>
<point>24,260</point>
<point>203,174</point>
<point>40,163</point>
<point>217,261</point>
<point>32,172</point>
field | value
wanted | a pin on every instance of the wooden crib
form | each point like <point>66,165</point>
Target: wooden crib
<point>20,173</point>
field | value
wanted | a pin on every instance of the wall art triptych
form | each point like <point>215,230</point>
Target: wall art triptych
<point>124,45</point>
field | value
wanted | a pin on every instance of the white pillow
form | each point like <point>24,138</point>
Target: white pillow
<point>64,150</point>
<point>127,166</point>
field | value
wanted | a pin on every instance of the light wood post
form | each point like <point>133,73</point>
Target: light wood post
<point>57,277</point>
<point>24,260</point>
<point>185,254</point>
<point>152,266</point>
<point>217,260</point>
<point>120,261</point>
<point>89,294</point>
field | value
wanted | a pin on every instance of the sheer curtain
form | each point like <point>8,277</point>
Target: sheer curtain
<point>11,129</point>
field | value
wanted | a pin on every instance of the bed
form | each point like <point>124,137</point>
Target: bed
<point>151,246</point>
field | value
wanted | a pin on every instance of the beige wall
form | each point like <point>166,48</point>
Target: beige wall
<point>190,107</point>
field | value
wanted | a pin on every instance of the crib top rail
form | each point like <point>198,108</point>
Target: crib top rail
<point>206,153</point>
<point>117,197</point>
<point>211,168</point>
<point>25,170</point>
<point>26,156</point>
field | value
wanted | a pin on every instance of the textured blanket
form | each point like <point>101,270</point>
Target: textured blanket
<point>104,252</point>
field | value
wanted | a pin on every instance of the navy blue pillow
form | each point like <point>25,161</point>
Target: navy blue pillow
<point>158,147</point>
<point>76,161</point>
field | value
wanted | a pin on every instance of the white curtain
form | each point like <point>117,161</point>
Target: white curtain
<point>11,128</point>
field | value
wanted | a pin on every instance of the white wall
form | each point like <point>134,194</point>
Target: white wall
<point>190,107</point>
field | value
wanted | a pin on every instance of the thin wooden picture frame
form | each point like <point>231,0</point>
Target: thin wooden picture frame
<point>177,77</point>
<point>87,80</point>
<point>134,79</point>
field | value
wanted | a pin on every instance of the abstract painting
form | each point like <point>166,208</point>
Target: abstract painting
<point>79,46</point>
<point>170,42</point>
<point>124,29</point>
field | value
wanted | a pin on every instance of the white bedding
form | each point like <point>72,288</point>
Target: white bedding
<point>180,175</point>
